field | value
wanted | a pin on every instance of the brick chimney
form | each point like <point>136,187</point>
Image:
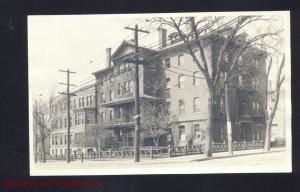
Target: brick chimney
<point>108,57</point>
<point>162,37</point>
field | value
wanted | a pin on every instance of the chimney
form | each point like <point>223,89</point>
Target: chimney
<point>108,57</point>
<point>162,37</point>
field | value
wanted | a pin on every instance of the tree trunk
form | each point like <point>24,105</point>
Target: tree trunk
<point>43,150</point>
<point>228,120</point>
<point>208,139</point>
<point>267,146</point>
<point>35,148</point>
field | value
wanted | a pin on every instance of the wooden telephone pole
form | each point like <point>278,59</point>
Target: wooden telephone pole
<point>137,92</point>
<point>68,108</point>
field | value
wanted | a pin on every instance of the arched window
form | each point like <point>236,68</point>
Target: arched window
<point>181,81</point>
<point>181,106</point>
<point>180,60</point>
<point>196,104</point>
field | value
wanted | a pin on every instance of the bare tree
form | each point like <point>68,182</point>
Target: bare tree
<point>45,121</point>
<point>279,80</point>
<point>228,36</point>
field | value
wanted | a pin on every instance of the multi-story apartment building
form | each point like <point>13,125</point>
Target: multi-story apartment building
<point>82,108</point>
<point>188,92</point>
<point>115,91</point>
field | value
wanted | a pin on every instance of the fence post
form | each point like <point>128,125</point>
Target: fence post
<point>245,144</point>
<point>169,150</point>
<point>151,153</point>
<point>122,153</point>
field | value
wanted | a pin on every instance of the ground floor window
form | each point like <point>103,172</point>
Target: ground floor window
<point>182,132</point>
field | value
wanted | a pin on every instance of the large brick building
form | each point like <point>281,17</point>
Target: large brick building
<point>188,92</point>
<point>82,125</point>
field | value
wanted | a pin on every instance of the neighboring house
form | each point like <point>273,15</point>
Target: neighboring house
<point>82,107</point>
<point>278,124</point>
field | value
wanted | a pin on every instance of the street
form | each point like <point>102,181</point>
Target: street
<point>252,161</point>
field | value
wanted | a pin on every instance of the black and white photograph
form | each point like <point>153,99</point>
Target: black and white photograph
<point>169,93</point>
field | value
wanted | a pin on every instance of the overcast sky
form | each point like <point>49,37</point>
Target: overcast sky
<point>77,42</point>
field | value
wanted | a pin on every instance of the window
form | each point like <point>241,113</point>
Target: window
<point>180,60</point>
<point>60,140</point>
<point>196,78</point>
<point>103,117</point>
<point>257,108</point>
<point>255,83</point>
<point>66,139</point>
<point>167,63</point>
<point>125,87</point>
<point>226,57</point>
<point>182,133</point>
<point>79,102</point>
<point>181,81</point>
<point>196,104</point>
<point>102,97</point>
<point>52,138</point>
<point>110,115</point>
<point>65,122</point>
<point>70,121</point>
<point>56,142</point>
<point>87,101</point>
<point>168,84</point>
<point>111,79</point>
<point>82,102</point>
<point>111,95</point>
<point>118,113</point>
<point>181,106</point>
<point>240,80</point>
<point>197,131</point>
<point>128,86</point>
<point>222,105</point>
<point>82,118</point>
<point>60,123</point>
<point>131,86</point>
<point>119,89</point>
<point>91,100</point>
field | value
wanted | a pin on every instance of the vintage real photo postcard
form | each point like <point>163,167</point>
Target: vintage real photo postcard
<point>172,93</point>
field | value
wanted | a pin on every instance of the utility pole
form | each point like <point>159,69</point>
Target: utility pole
<point>68,108</point>
<point>136,60</point>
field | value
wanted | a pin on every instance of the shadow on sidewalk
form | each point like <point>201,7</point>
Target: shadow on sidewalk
<point>236,155</point>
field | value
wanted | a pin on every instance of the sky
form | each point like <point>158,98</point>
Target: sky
<point>77,42</point>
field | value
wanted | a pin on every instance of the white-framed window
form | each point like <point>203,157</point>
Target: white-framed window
<point>196,78</point>
<point>182,132</point>
<point>87,100</point>
<point>91,100</point>
<point>82,99</point>
<point>181,81</point>
<point>111,94</point>
<point>103,117</point>
<point>119,89</point>
<point>167,63</point>
<point>102,97</point>
<point>168,84</point>
<point>197,131</point>
<point>118,112</point>
<point>66,122</point>
<point>79,102</point>
<point>196,104</point>
<point>66,139</point>
<point>180,60</point>
<point>111,115</point>
<point>181,106</point>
